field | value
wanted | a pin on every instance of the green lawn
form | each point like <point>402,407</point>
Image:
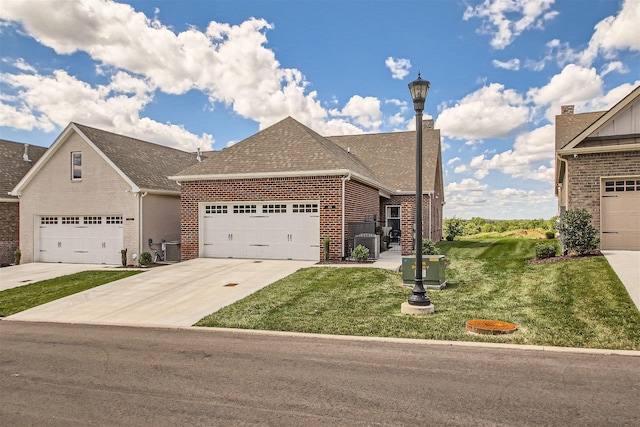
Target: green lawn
<point>577,303</point>
<point>24,297</point>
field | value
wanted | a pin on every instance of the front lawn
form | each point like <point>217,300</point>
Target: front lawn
<point>577,303</point>
<point>24,297</point>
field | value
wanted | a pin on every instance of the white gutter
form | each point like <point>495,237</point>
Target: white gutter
<point>566,170</point>
<point>430,194</point>
<point>140,237</point>
<point>344,180</point>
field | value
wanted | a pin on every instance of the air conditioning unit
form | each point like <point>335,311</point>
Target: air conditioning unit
<point>172,253</point>
<point>370,241</point>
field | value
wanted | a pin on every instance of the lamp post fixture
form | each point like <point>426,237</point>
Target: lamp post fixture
<point>419,89</point>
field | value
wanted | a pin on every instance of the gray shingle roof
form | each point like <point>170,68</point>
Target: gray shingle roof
<point>568,126</point>
<point>13,166</point>
<point>287,146</point>
<point>147,164</point>
<point>392,156</point>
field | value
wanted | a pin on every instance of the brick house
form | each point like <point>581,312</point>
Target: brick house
<point>16,160</point>
<point>279,193</point>
<point>598,168</point>
<point>94,193</point>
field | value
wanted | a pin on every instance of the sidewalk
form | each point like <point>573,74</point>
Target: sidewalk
<point>626,264</point>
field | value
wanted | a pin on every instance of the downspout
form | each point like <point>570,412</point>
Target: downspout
<point>344,180</point>
<point>140,237</point>
<point>566,172</point>
<point>430,194</point>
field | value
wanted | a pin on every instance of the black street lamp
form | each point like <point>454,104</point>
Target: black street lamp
<point>419,89</point>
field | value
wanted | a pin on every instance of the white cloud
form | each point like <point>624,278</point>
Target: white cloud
<point>22,65</point>
<point>497,19</point>
<point>399,67</point>
<point>512,64</point>
<point>229,63</point>
<point>364,111</point>
<point>611,35</point>
<point>452,161</point>
<point>476,115</point>
<point>56,100</point>
<point>616,66</point>
<point>467,184</point>
<point>460,169</point>
<point>529,150</point>
<point>539,65</point>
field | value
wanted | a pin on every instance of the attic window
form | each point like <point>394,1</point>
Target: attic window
<point>76,165</point>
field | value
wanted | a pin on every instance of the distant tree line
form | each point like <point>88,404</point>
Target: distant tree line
<point>454,227</point>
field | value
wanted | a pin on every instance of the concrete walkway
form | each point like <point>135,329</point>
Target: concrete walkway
<point>626,264</point>
<point>23,274</point>
<point>173,295</point>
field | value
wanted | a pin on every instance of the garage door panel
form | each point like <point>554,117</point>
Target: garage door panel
<point>620,213</point>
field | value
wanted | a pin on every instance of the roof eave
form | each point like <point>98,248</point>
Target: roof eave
<point>602,149</point>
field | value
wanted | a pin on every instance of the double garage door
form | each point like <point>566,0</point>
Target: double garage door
<point>261,230</point>
<point>620,210</point>
<point>79,239</point>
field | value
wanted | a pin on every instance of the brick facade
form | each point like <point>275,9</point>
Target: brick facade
<point>9,231</point>
<point>586,171</point>
<point>362,203</point>
<point>326,189</point>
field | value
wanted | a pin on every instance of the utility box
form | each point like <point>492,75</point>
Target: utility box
<point>433,276</point>
<point>370,241</point>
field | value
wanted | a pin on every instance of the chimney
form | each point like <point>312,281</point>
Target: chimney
<point>566,109</point>
<point>428,124</point>
<point>25,156</point>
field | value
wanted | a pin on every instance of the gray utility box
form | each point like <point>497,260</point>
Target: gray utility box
<point>432,271</point>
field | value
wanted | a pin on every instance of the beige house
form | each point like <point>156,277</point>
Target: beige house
<point>15,159</point>
<point>279,193</point>
<point>94,193</point>
<point>598,169</point>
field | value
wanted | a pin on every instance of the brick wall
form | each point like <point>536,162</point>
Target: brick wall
<point>9,231</point>
<point>362,203</point>
<point>585,173</point>
<point>407,218</point>
<point>326,189</point>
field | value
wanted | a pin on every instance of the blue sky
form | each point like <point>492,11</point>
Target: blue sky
<point>207,74</point>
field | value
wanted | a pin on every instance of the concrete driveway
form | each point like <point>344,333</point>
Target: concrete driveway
<point>173,295</point>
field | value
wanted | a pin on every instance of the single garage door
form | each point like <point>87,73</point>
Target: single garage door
<point>80,239</point>
<point>262,230</point>
<point>620,211</point>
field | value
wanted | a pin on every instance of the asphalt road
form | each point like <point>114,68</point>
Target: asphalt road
<point>62,374</point>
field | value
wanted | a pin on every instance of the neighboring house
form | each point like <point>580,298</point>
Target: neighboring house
<point>94,193</point>
<point>15,161</point>
<point>279,193</point>
<point>598,169</point>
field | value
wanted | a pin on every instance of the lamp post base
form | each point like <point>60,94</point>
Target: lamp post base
<point>415,310</point>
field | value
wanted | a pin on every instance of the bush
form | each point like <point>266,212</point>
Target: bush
<point>549,235</point>
<point>546,250</point>
<point>123,256</point>
<point>16,256</point>
<point>429,247</point>
<point>453,228</point>
<point>576,232</point>
<point>361,253</point>
<point>145,259</point>
<point>327,243</point>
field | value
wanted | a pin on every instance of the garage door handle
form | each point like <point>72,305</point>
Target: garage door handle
<point>609,196</point>
<point>609,232</point>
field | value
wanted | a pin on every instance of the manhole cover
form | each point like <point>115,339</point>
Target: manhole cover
<point>490,327</point>
<point>231,284</point>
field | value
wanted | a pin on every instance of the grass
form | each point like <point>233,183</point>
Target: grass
<point>18,299</point>
<point>577,303</point>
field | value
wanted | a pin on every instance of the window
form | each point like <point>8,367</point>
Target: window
<point>393,217</point>
<point>92,220</point>
<point>618,186</point>
<point>114,220</point>
<point>274,208</point>
<point>215,209</point>
<point>48,220</point>
<point>76,166</point>
<point>70,220</point>
<point>305,208</point>
<point>240,209</point>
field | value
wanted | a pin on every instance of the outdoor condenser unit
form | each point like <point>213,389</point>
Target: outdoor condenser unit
<point>172,253</point>
<point>369,241</point>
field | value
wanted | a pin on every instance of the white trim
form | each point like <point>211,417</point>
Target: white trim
<point>9,200</point>
<point>600,149</point>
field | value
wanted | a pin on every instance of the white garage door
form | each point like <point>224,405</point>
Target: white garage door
<point>80,239</point>
<point>620,211</point>
<point>262,230</point>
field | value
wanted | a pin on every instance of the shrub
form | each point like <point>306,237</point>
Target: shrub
<point>576,232</point>
<point>429,247</point>
<point>453,228</point>
<point>327,242</point>
<point>16,256</point>
<point>123,256</point>
<point>549,235</point>
<point>145,259</point>
<point>546,250</point>
<point>361,253</point>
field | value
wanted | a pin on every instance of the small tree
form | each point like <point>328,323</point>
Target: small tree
<point>576,232</point>
<point>453,228</point>
<point>429,247</point>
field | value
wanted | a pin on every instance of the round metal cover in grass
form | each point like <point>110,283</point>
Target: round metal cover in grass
<point>490,327</point>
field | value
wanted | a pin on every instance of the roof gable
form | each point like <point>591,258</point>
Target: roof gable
<point>287,147</point>
<point>14,167</point>
<point>604,125</point>
<point>143,165</point>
